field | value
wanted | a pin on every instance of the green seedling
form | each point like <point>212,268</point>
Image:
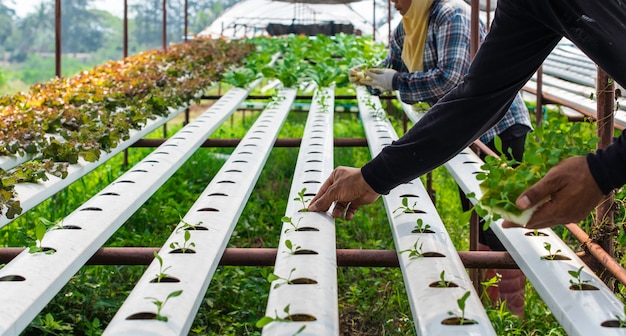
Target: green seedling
<point>577,281</point>
<point>40,232</point>
<point>415,251</point>
<point>162,270</point>
<point>285,281</point>
<point>405,206</point>
<point>551,256</point>
<point>420,227</point>
<point>265,320</point>
<point>186,244</point>
<point>160,304</point>
<point>442,280</point>
<point>461,304</point>
<point>291,247</point>
<point>301,198</point>
<point>622,320</point>
<point>492,282</point>
<point>288,220</point>
<point>186,225</point>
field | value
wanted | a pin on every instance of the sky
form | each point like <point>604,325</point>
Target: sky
<point>23,7</point>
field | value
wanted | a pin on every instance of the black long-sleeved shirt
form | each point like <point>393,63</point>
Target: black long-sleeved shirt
<point>523,33</point>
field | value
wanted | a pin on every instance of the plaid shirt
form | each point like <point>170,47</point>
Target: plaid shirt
<point>446,60</point>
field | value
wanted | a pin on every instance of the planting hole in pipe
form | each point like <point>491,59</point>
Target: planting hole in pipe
<point>458,321</point>
<point>71,227</point>
<point>303,281</point>
<point>307,229</point>
<point>305,252</point>
<point>110,194</point>
<point>433,255</point>
<point>555,257</point>
<point>168,279</point>
<point>209,210</point>
<point>12,277</point>
<point>444,284</point>
<point>301,318</point>
<point>535,233</point>
<point>142,316</point>
<point>197,228</point>
<point>91,209</point>
<point>613,324</point>
<point>583,287</point>
<point>182,251</point>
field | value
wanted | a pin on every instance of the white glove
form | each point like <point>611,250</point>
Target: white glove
<point>355,74</point>
<point>380,78</point>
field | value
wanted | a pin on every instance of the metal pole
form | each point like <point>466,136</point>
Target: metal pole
<point>373,20</point>
<point>164,34</point>
<point>539,94</point>
<point>57,37</point>
<point>474,29</point>
<point>125,37</point>
<point>185,30</point>
<point>267,257</point>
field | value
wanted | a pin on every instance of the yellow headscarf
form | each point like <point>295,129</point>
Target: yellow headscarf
<point>415,23</point>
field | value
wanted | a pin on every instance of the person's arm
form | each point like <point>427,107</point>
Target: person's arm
<point>513,50</point>
<point>451,49</point>
<point>511,53</point>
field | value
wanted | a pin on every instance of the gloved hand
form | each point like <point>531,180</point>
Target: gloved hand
<point>380,78</point>
<point>355,74</point>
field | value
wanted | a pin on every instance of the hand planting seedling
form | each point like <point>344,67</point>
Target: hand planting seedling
<point>288,220</point>
<point>415,251</point>
<point>503,180</point>
<point>186,244</point>
<point>160,304</point>
<point>286,281</point>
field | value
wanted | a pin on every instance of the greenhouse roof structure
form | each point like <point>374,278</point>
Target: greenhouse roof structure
<point>250,18</point>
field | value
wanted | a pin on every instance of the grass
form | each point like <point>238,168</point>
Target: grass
<point>372,300</point>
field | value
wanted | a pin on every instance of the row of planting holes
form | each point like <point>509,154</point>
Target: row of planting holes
<point>420,228</point>
<point>151,315</point>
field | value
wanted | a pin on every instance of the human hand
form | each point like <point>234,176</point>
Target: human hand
<point>346,187</point>
<point>356,74</point>
<point>380,78</point>
<point>572,193</point>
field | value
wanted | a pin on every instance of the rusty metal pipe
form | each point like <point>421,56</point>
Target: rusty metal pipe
<point>284,142</point>
<point>267,257</point>
<point>598,253</point>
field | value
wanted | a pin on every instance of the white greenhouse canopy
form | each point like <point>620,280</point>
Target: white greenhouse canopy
<point>251,18</point>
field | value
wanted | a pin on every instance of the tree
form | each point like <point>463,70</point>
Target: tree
<point>82,29</point>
